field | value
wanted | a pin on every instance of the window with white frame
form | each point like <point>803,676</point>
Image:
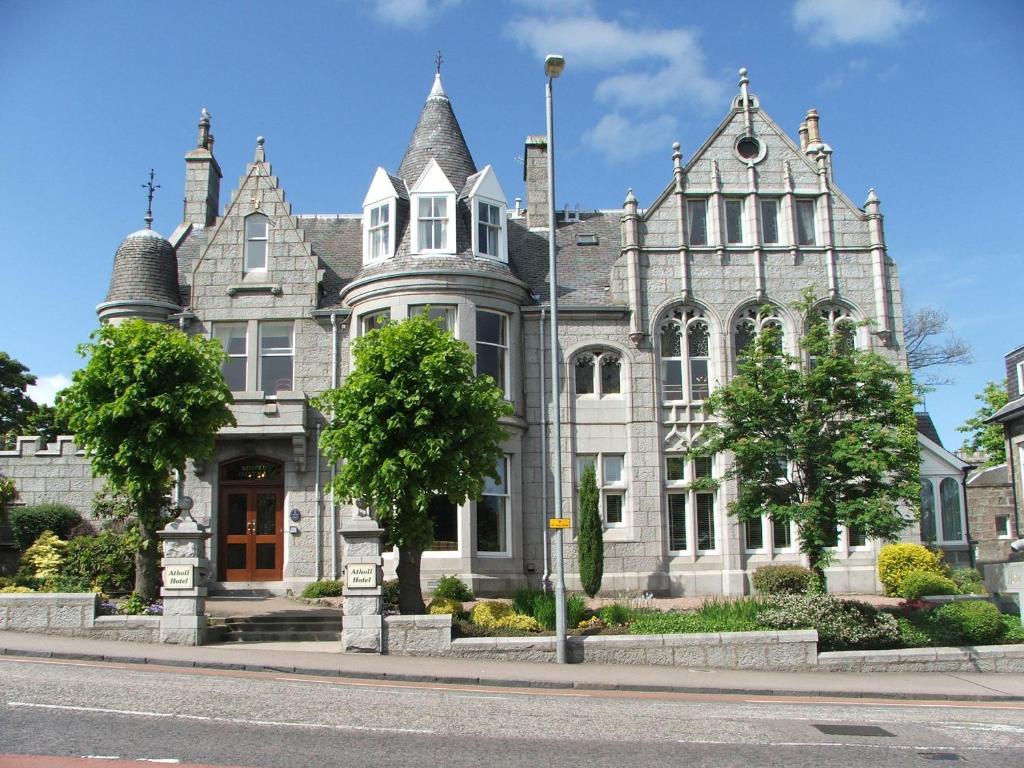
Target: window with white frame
<point>685,355</point>
<point>598,373</point>
<point>492,520</point>
<point>1003,527</point>
<point>488,229</point>
<point>782,534</point>
<point>690,503</point>
<point>432,222</point>
<point>233,337</point>
<point>492,347</point>
<point>257,227</point>
<point>378,231</point>
<point>442,314</point>
<point>697,220</point>
<point>753,321</point>
<point>753,535</point>
<point>805,226</point>
<point>276,357</point>
<point>371,321</point>
<point>856,537</point>
<point>1020,379</point>
<point>942,517</point>
<point>610,474</point>
<point>769,221</point>
<point>733,221</point>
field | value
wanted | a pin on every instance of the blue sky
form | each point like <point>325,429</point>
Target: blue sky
<point>919,100</point>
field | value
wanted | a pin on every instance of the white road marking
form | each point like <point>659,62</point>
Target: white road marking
<point>909,747</point>
<point>202,718</point>
<point>901,704</point>
<point>996,727</point>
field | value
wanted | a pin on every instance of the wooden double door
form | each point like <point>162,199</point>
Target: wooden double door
<point>251,531</point>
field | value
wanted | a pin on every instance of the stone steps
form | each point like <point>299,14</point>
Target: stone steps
<point>290,628</point>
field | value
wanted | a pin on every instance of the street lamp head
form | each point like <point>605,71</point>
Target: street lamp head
<point>553,65</point>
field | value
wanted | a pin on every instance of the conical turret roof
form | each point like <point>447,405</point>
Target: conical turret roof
<point>145,270</point>
<point>438,136</point>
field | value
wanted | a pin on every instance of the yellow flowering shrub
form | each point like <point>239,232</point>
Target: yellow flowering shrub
<point>41,561</point>
<point>897,561</point>
<point>519,621</point>
<point>441,605</point>
<point>488,614</point>
<point>7,590</point>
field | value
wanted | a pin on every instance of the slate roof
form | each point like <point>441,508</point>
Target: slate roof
<point>438,135</point>
<point>926,427</point>
<point>1008,412</point>
<point>337,243</point>
<point>145,269</point>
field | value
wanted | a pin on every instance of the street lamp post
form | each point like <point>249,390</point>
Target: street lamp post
<point>553,66</point>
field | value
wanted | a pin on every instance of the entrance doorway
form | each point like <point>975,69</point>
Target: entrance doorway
<point>251,530</point>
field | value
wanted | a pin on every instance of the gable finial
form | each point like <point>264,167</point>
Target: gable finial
<point>152,188</point>
<point>438,61</point>
<point>745,94</point>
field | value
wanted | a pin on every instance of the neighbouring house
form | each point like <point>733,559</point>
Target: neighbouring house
<point>656,301</point>
<point>1006,515</point>
<point>944,511</point>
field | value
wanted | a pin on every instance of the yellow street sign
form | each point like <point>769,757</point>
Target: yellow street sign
<point>558,522</point>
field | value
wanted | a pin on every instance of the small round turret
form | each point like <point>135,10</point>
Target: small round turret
<point>144,282</point>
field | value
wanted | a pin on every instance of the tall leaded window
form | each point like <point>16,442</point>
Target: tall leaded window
<point>379,231</point>
<point>488,230</point>
<point>697,221</point>
<point>782,534</point>
<point>256,238</point>
<point>805,226</point>
<point>685,350</point>
<point>769,221</point>
<point>598,373</point>
<point>840,323</point>
<point>276,357</point>
<point>753,321</point>
<point>233,338</point>
<point>433,223</point>
<point>734,221</point>
<point>492,513</point>
<point>492,347</point>
<point>952,520</point>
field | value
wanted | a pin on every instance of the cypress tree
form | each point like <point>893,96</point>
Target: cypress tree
<point>590,542</point>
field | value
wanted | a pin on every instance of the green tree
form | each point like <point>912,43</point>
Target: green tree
<point>824,442</point>
<point>411,422</point>
<point>590,540</point>
<point>46,423</point>
<point>148,399</point>
<point>982,437</point>
<point>15,405</point>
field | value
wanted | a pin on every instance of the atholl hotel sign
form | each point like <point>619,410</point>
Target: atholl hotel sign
<point>179,577</point>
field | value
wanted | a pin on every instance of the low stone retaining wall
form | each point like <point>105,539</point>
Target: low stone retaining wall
<point>417,635</point>
<point>977,658</point>
<point>72,614</point>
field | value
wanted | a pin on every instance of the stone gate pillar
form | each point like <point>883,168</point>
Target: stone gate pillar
<point>186,571</point>
<point>362,624</point>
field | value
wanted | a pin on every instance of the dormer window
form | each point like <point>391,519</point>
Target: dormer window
<point>433,223</point>
<point>256,238</point>
<point>379,231</point>
<point>488,229</point>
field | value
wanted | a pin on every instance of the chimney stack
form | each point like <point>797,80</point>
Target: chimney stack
<point>813,136</point>
<point>535,174</point>
<point>202,178</point>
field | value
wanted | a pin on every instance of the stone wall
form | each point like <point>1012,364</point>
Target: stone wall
<point>55,472</point>
<point>72,614</point>
<point>987,658</point>
<point>417,635</point>
<point>990,496</point>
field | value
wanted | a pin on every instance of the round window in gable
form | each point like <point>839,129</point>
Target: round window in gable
<point>749,149</point>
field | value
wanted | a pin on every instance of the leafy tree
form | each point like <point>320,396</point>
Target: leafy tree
<point>820,443</point>
<point>411,422</point>
<point>46,423</point>
<point>931,346</point>
<point>982,437</point>
<point>15,405</point>
<point>590,540</point>
<point>149,398</point>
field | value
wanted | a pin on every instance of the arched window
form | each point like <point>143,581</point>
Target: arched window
<point>598,373</point>
<point>257,228</point>
<point>685,343</point>
<point>927,511</point>
<point>751,322</point>
<point>841,323</point>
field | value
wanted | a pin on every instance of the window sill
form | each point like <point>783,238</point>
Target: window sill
<point>272,288</point>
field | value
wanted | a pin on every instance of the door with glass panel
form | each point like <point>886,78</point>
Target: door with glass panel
<point>252,525</point>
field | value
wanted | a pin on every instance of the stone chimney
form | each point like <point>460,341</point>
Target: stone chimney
<point>813,136</point>
<point>535,174</point>
<point>202,178</point>
<point>803,136</point>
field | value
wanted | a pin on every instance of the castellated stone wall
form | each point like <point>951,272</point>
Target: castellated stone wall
<point>58,472</point>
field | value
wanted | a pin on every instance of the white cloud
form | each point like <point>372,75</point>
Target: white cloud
<point>411,13</point>
<point>827,22</point>
<point>47,387</point>
<point>620,138</point>
<point>649,70</point>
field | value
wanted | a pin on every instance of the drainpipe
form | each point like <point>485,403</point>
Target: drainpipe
<point>967,519</point>
<point>319,510</point>
<point>546,583</point>
<point>333,470</point>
